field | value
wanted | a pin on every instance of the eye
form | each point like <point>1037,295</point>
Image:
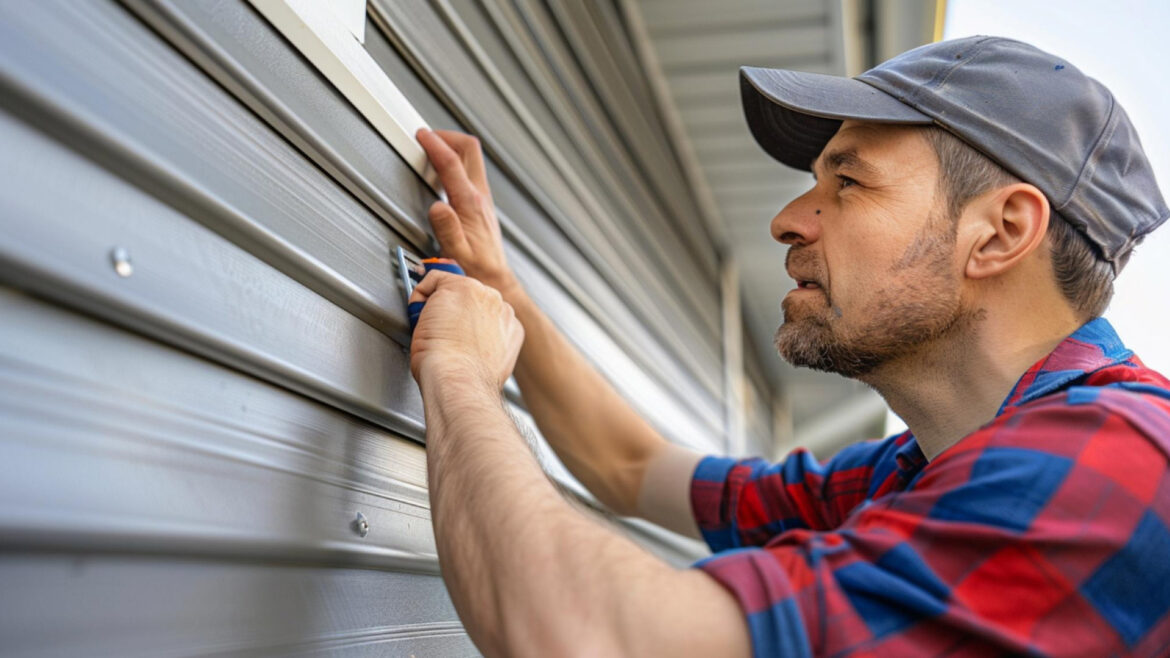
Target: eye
<point>845,181</point>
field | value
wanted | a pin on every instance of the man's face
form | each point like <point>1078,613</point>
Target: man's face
<point>873,254</point>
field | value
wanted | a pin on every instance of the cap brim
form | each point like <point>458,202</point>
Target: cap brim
<point>792,115</point>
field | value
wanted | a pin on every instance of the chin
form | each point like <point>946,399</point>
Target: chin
<point>812,343</point>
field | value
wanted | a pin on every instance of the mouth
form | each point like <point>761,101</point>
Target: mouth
<point>807,285</point>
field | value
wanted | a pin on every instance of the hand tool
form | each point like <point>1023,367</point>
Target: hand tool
<point>412,269</point>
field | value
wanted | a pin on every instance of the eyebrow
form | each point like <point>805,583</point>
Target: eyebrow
<point>835,160</point>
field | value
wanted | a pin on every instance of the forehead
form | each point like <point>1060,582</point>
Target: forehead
<point>882,146</point>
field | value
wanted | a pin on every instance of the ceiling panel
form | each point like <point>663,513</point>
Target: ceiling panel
<point>707,49</point>
<point>667,16</point>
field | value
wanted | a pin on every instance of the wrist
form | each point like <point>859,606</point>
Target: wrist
<point>508,286</point>
<point>457,403</point>
<point>459,374</point>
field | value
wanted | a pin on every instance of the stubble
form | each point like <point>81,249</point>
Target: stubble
<point>920,304</point>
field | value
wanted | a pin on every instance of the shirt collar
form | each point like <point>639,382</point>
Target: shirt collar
<point>1092,347</point>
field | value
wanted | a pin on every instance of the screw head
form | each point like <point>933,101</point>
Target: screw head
<point>361,525</point>
<point>120,259</point>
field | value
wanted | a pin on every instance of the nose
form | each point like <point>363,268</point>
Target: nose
<point>798,223</point>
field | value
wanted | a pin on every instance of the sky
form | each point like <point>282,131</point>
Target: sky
<point>1125,45</point>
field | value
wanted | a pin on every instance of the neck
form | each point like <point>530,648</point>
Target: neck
<point>952,386</point>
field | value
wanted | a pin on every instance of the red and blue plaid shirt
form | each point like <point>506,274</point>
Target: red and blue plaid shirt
<point>1046,531</point>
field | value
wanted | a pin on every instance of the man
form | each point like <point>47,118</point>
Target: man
<point>972,202</point>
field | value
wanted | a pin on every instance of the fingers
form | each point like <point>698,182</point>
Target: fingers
<point>431,282</point>
<point>449,230</point>
<point>464,195</point>
<point>471,154</point>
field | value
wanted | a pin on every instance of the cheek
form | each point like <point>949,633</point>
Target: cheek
<point>857,266</point>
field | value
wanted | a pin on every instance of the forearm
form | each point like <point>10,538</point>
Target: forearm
<point>599,437</point>
<point>530,575</point>
<point>602,441</point>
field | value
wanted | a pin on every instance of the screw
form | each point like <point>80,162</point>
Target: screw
<point>361,525</point>
<point>121,261</point>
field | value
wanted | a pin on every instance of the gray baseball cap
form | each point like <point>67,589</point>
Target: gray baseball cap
<point>1035,114</point>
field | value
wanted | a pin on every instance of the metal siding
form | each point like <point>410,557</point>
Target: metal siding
<point>583,212</point>
<point>185,449</point>
<point>99,605</point>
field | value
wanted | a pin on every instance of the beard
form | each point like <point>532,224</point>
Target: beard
<point>920,306</point>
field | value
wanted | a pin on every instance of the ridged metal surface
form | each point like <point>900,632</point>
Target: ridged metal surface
<point>113,441</point>
<point>95,605</point>
<point>202,372</point>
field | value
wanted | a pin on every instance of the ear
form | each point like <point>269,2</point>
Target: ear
<point>1009,223</point>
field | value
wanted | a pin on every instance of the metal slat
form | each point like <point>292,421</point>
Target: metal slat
<point>714,154</point>
<point>86,605</point>
<point>636,220</point>
<point>774,194</point>
<point>153,503</point>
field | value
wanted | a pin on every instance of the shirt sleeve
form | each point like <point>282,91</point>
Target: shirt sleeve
<point>747,502</point>
<point>1043,533</point>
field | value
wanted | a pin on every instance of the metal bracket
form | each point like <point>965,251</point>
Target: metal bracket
<point>410,271</point>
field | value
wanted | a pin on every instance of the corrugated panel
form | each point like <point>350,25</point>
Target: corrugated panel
<point>118,606</point>
<point>210,382</point>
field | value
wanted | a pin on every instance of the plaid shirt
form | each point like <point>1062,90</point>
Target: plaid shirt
<point>1046,531</point>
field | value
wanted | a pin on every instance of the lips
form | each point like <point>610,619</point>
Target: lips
<point>805,280</point>
<point>804,268</point>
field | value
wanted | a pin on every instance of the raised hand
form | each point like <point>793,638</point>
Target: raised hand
<point>466,226</point>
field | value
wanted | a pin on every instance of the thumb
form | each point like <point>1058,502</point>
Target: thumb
<point>431,282</point>
<point>448,229</point>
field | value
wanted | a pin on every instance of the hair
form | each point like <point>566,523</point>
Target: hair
<point>1084,277</point>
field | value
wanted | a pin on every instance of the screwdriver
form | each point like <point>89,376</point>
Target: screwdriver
<point>411,269</point>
